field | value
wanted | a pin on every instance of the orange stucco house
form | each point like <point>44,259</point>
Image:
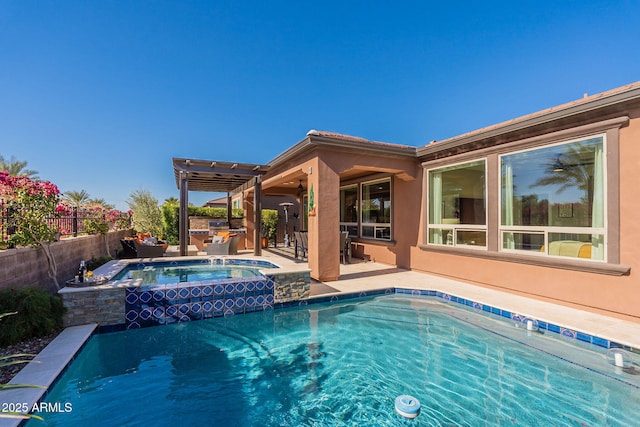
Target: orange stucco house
<point>546,205</point>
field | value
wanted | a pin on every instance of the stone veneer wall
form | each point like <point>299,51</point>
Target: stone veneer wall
<point>94,305</point>
<point>293,286</point>
<point>202,222</point>
<point>135,307</point>
<point>22,267</point>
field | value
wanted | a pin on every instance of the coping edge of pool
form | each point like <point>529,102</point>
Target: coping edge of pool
<point>46,368</point>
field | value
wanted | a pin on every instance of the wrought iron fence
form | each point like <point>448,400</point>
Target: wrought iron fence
<point>72,225</point>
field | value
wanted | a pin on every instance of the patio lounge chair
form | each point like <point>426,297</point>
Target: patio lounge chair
<point>301,243</point>
<point>228,246</point>
<point>131,248</point>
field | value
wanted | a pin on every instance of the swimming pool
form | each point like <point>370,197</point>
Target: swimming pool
<point>344,364</point>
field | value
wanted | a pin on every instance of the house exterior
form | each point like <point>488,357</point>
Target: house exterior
<point>546,205</point>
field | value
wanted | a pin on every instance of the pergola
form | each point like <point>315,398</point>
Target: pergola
<point>218,177</point>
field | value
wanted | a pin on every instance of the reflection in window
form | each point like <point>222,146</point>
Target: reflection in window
<point>376,210</point>
<point>552,200</point>
<point>457,205</point>
<point>349,210</point>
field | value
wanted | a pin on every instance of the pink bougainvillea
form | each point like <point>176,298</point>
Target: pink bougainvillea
<point>29,207</point>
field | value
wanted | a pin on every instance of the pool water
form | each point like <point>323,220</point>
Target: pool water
<point>166,273</point>
<point>344,364</point>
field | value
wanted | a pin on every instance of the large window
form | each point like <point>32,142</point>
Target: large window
<point>376,209</point>
<point>553,200</point>
<point>349,209</point>
<point>365,209</point>
<point>457,205</point>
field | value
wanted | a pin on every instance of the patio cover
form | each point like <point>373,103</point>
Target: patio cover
<point>216,176</point>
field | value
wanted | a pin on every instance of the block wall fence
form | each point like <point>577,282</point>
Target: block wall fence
<point>22,267</point>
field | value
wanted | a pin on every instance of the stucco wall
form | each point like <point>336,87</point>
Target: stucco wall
<point>617,296</point>
<point>24,267</point>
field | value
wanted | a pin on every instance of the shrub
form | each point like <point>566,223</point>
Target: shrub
<point>38,313</point>
<point>270,224</point>
<point>170,222</point>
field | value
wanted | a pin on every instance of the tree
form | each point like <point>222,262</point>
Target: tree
<point>76,198</point>
<point>17,168</point>
<point>171,220</point>
<point>102,203</point>
<point>147,217</point>
<point>31,205</point>
<point>573,169</point>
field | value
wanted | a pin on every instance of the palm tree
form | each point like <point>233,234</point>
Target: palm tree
<point>17,168</point>
<point>573,169</point>
<point>171,201</point>
<point>100,203</point>
<point>76,198</point>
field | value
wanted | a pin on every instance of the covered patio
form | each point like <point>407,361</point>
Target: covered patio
<point>315,171</point>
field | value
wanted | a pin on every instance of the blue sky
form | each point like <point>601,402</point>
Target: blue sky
<point>100,95</point>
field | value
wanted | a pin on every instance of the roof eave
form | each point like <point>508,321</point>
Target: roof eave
<point>326,141</point>
<point>633,94</point>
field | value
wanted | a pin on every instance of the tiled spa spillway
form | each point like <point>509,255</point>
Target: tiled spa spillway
<point>164,304</point>
<point>129,303</point>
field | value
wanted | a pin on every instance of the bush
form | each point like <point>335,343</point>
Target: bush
<point>38,313</point>
<point>170,223</point>
<point>270,224</point>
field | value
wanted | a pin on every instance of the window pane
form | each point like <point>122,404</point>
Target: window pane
<point>558,186</point>
<point>440,236</point>
<point>471,237</point>
<point>575,245</point>
<point>349,204</point>
<point>376,203</point>
<point>368,231</point>
<point>457,194</point>
<point>523,241</point>
<point>352,229</point>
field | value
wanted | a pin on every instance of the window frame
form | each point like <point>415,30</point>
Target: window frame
<point>455,228</point>
<point>525,139</point>
<point>375,225</point>
<point>547,230</point>
<point>345,225</point>
<point>359,184</point>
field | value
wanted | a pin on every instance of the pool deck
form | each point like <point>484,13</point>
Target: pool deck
<point>359,276</point>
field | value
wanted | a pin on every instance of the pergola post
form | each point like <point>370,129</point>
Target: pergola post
<point>257,217</point>
<point>229,212</point>
<point>183,226</point>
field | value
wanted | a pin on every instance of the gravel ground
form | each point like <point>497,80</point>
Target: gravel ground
<point>32,346</point>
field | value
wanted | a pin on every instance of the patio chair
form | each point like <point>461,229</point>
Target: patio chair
<point>345,247</point>
<point>221,248</point>
<point>131,248</point>
<point>233,246</point>
<point>301,243</point>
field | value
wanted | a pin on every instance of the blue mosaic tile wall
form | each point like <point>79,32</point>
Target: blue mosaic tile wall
<point>164,304</point>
